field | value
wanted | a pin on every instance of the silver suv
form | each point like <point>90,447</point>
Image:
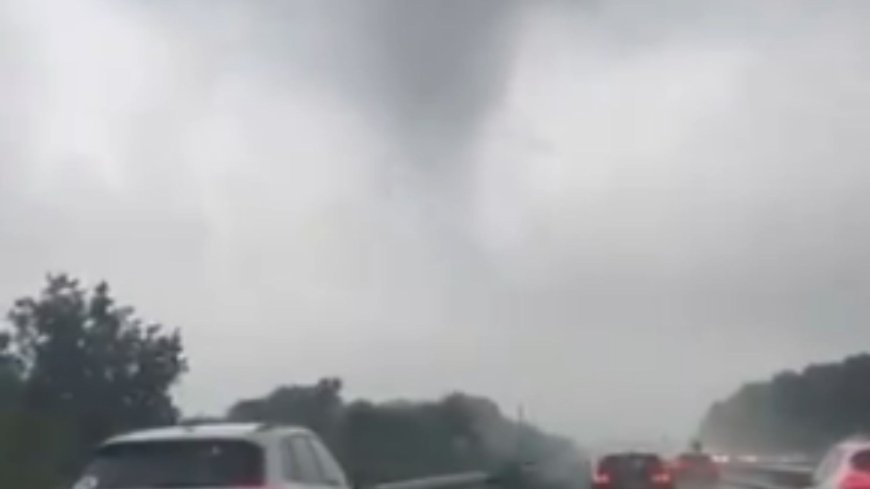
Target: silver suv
<point>214,456</point>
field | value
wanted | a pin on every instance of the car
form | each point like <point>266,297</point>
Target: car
<point>214,456</point>
<point>845,466</point>
<point>631,470</point>
<point>695,469</point>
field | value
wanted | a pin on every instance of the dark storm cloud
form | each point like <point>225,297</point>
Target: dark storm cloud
<point>430,70</point>
<point>581,205</point>
<point>441,68</point>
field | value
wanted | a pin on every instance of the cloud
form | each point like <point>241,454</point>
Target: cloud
<point>573,205</point>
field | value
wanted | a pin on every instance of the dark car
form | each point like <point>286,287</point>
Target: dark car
<point>696,469</point>
<point>631,471</point>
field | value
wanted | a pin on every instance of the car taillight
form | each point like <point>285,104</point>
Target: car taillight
<point>661,478</point>
<point>856,480</point>
<point>600,478</point>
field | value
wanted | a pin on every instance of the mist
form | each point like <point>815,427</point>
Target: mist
<point>609,213</point>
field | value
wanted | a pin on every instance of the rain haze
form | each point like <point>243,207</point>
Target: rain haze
<point>612,213</point>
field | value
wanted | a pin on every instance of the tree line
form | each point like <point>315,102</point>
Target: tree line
<point>405,439</point>
<point>802,412</point>
<point>77,367</point>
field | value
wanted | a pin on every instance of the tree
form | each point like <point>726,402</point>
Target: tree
<point>316,406</point>
<point>88,368</point>
<point>11,381</point>
<point>396,440</point>
<point>795,411</point>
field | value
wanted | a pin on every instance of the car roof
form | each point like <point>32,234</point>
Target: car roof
<point>854,444</point>
<point>625,455</point>
<point>206,431</point>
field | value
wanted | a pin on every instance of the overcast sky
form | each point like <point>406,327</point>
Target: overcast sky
<point>612,212</point>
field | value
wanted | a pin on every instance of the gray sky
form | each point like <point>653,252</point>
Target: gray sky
<point>612,212</point>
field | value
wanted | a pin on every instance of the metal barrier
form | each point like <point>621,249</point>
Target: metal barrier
<point>762,476</point>
<point>465,479</point>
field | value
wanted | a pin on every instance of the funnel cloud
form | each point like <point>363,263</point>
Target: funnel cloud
<point>611,213</point>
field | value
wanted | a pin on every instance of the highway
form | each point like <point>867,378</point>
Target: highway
<point>735,485</point>
<point>469,481</point>
<point>734,477</point>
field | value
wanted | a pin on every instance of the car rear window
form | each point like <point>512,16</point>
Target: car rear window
<point>175,464</point>
<point>861,461</point>
<point>633,463</point>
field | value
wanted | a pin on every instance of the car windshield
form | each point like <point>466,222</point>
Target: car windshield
<point>861,461</point>
<point>175,464</point>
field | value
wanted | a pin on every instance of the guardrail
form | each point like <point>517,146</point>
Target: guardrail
<point>745,475</point>
<point>514,476</point>
<point>465,479</point>
<point>762,476</point>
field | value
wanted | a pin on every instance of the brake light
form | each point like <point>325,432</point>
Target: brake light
<point>600,478</point>
<point>663,478</point>
<point>856,480</point>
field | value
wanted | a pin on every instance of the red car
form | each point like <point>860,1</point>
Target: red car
<point>631,471</point>
<point>696,469</point>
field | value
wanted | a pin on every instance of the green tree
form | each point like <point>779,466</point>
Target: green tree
<point>794,411</point>
<point>378,442</point>
<point>88,368</point>
<point>317,406</point>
